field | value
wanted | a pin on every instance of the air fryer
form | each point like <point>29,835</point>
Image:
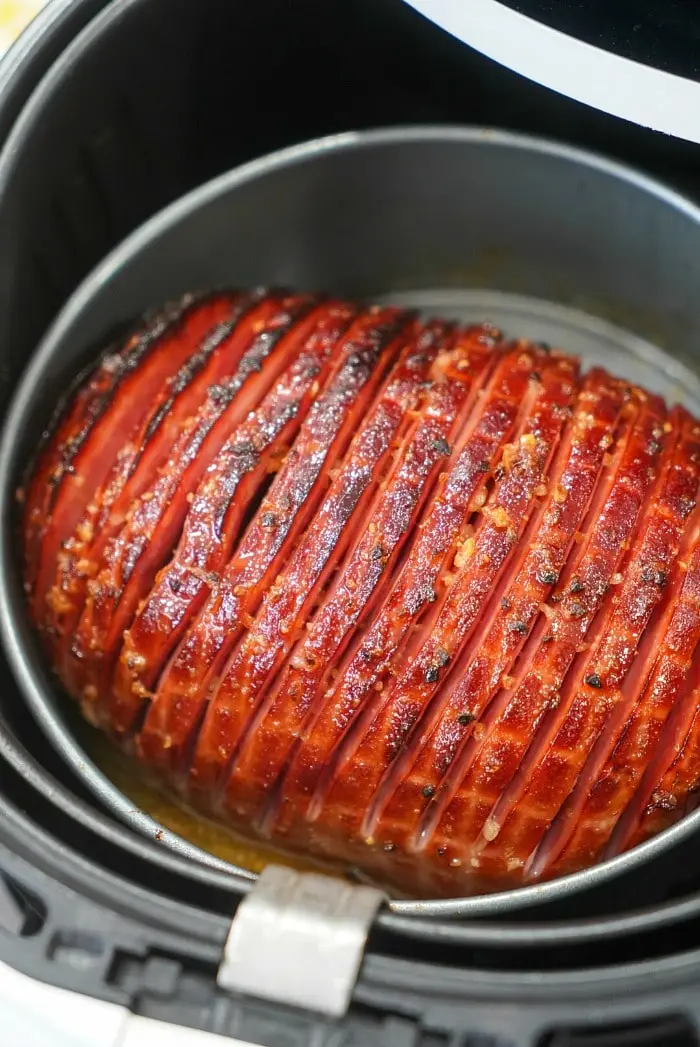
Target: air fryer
<point>150,99</point>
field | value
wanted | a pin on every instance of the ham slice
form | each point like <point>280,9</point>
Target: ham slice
<point>180,699</point>
<point>392,592</point>
<point>71,470</point>
<point>220,437</point>
<point>133,468</point>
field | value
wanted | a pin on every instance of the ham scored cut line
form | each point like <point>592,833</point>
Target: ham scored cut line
<point>390,592</point>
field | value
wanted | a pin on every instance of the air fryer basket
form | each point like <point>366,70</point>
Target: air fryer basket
<point>150,100</point>
<point>390,214</point>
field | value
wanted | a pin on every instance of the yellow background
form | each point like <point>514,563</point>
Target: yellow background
<point>14,15</point>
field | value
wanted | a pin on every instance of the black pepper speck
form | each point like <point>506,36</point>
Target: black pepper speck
<point>243,447</point>
<point>442,447</point>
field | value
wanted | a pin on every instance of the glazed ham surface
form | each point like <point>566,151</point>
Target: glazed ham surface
<point>390,592</point>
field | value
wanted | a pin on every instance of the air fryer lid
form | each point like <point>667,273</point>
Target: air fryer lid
<point>635,59</point>
<point>407,215</point>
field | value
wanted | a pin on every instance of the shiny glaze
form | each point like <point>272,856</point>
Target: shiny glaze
<point>385,591</point>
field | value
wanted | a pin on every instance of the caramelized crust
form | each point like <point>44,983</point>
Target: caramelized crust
<point>383,590</point>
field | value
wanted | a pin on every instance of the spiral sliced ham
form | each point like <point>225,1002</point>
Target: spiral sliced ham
<point>387,591</point>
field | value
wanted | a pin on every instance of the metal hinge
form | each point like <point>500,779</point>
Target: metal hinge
<point>298,939</point>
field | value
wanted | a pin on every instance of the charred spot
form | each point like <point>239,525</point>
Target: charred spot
<point>548,577</point>
<point>175,585</point>
<point>243,447</point>
<point>464,719</point>
<point>268,519</point>
<point>441,850</point>
<point>653,447</point>
<point>518,627</point>
<point>442,656</point>
<point>217,392</point>
<point>535,376</point>
<point>254,361</point>
<point>428,791</point>
<point>594,681</point>
<point>577,610</point>
<point>505,603</point>
<point>377,553</point>
<point>652,577</point>
<point>431,674</point>
<point>428,594</point>
<point>576,586</point>
<point>365,654</point>
<point>441,446</point>
<point>288,412</point>
<point>548,638</point>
